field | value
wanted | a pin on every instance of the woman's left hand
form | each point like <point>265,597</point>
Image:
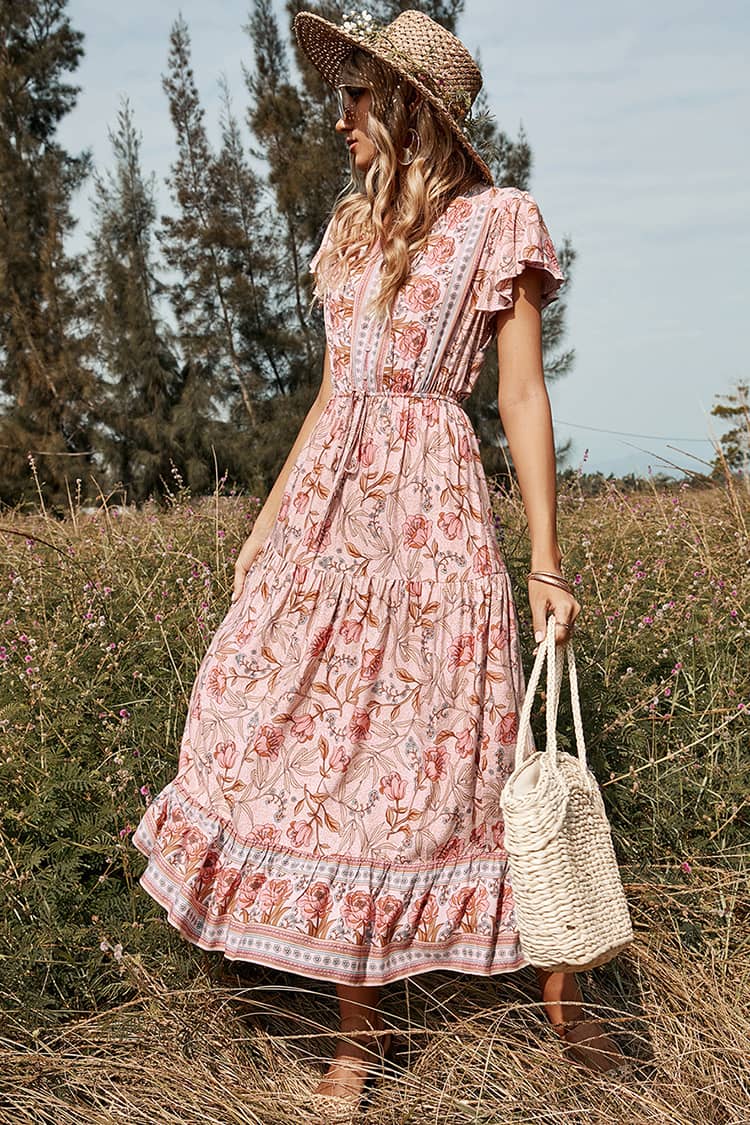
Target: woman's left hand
<point>544,598</point>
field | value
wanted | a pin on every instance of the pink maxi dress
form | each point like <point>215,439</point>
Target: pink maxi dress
<point>336,807</point>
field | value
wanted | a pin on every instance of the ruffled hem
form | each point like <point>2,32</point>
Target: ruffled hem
<point>348,920</point>
<point>518,238</point>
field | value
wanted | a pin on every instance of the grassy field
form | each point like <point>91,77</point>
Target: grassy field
<point>109,1016</point>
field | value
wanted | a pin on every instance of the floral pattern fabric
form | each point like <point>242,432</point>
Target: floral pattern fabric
<point>335,811</point>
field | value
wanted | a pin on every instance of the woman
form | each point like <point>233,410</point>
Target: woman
<point>336,812</point>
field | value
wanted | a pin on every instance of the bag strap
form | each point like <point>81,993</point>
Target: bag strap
<point>548,649</point>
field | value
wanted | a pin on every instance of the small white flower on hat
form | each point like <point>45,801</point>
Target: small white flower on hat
<point>358,23</point>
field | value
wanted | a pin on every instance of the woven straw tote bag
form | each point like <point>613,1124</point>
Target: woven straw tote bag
<point>571,909</point>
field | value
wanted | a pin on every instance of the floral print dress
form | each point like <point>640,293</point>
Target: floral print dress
<point>336,812</point>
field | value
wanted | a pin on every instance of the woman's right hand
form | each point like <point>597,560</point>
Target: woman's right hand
<point>250,549</point>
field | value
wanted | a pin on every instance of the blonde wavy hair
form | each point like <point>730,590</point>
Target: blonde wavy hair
<point>392,202</point>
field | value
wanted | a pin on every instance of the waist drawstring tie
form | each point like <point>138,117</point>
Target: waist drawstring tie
<point>350,452</point>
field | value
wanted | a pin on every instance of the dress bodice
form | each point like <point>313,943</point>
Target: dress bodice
<point>444,316</point>
<point>389,486</point>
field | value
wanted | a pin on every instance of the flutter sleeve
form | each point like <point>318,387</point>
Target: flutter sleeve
<point>517,238</point>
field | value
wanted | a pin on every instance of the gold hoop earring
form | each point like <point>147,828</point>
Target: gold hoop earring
<point>411,149</point>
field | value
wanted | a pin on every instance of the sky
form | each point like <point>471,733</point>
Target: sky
<point>637,119</point>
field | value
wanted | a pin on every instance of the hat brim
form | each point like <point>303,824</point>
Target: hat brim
<point>327,45</point>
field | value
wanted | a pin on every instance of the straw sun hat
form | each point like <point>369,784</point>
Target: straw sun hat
<point>417,48</point>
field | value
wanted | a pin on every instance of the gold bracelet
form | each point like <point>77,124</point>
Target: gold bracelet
<point>549,574</point>
<point>563,584</point>
<point>551,582</point>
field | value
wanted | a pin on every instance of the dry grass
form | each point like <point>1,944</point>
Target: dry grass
<point>233,1049</point>
<point>169,1036</point>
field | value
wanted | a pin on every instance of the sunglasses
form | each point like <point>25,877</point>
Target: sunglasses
<point>347,98</point>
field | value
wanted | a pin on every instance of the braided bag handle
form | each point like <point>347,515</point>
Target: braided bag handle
<point>548,650</point>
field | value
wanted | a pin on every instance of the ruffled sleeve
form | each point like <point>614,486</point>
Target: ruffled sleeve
<point>518,237</point>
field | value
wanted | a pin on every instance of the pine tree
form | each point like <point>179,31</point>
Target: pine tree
<point>251,260</point>
<point>49,395</point>
<point>286,122</point>
<point>197,246</point>
<point>304,169</point>
<point>143,378</point>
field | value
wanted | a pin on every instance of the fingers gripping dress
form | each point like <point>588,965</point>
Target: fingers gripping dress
<point>336,807</point>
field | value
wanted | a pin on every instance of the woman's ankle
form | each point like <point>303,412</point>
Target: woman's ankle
<point>370,1042</point>
<point>359,1008</point>
<point>561,996</point>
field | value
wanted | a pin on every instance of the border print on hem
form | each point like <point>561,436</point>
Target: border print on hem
<point>325,963</point>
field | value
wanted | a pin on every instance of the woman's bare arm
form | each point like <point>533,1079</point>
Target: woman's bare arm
<point>267,515</point>
<point>524,408</point>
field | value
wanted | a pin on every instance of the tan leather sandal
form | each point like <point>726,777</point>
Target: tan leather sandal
<point>336,1109</point>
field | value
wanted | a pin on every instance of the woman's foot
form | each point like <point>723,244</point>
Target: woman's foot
<point>587,1042</point>
<point>360,1054</point>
